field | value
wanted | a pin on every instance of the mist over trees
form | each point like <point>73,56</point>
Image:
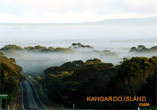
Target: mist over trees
<point>76,61</point>
<point>143,49</point>
<point>71,74</point>
<point>43,57</point>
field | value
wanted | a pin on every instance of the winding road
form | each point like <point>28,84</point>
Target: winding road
<point>30,98</point>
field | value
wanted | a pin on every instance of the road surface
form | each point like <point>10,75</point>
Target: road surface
<point>30,98</point>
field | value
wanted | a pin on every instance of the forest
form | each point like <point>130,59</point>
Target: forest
<point>10,77</point>
<point>73,82</point>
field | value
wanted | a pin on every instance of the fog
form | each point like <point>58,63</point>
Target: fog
<point>116,38</point>
<point>64,34</point>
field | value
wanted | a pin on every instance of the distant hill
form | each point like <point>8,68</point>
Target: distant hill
<point>122,21</point>
<point>131,21</point>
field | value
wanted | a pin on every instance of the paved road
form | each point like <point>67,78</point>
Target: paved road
<point>30,98</point>
<point>24,97</point>
<point>35,95</point>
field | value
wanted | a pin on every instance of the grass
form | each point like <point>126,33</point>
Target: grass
<point>18,90</point>
<point>43,93</point>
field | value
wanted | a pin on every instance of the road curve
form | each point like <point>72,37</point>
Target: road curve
<point>24,97</point>
<point>30,98</point>
<point>35,95</point>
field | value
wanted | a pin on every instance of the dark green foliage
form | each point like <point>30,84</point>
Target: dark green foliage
<point>51,48</point>
<point>43,49</point>
<point>89,71</point>
<point>136,76</point>
<point>1,53</point>
<point>154,48</point>
<point>133,77</point>
<point>79,45</point>
<point>53,70</point>
<point>21,77</point>
<point>9,76</point>
<point>133,49</point>
<point>30,49</point>
<point>70,66</point>
<point>149,89</point>
<point>143,49</point>
<point>13,60</point>
<point>38,47</point>
<point>60,49</point>
<point>11,47</point>
<point>95,61</point>
<point>11,50</point>
<point>76,86</point>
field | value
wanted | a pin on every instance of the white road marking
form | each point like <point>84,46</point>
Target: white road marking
<point>22,95</point>
<point>30,97</point>
<point>36,93</point>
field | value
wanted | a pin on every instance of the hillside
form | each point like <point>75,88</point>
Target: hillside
<point>130,21</point>
<point>131,78</point>
<point>10,76</point>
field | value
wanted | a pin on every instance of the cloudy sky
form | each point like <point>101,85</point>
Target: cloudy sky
<point>70,11</point>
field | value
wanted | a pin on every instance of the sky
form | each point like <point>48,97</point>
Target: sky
<point>73,11</point>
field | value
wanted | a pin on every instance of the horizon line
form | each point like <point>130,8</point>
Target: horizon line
<point>76,22</point>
